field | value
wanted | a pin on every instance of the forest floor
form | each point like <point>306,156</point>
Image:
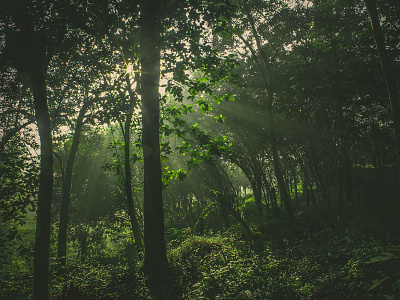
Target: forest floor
<point>316,257</point>
<point>351,256</point>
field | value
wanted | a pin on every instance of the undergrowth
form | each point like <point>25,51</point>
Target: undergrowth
<point>346,257</point>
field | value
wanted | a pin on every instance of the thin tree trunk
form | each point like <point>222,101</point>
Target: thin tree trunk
<point>155,258</point>
<point>67,185</point>
<point>274,202</point>
<point>267,201</point>
<point>306,194</point>
<point>296,195</point>
<point>312,195</point>
<point>239,218</point>
<point>314,168</point>
<point>348,179</point>
<point>224,209</point>
<point>357,191</point>
<point>43,221</point>
<point>277,165</point>
<point>305,184</point>
<point>257,192</point>
<point>341,191</point>
<point>267,196</point>
<point>258,173</point>
<point>254,173</point>
<point>133,215</point>
<point>137,233</point>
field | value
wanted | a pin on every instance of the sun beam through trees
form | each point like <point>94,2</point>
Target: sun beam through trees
<point>199,149</point>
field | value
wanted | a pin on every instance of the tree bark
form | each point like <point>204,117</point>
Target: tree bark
<point>388,72</point>
<point>43,221</point>
<point>155,258</point>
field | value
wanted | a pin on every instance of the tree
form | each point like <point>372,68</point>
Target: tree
<point>77,80</point>
<point>264,64</point>
<point>155,257</point>
<point>66,174</point>
<point>34,35</point>
<point>137,233</point>
<point>35,64</point>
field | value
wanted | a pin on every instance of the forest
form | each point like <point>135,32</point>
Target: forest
<point>199,149</point>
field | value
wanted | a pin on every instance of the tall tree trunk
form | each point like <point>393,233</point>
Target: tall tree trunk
<point>388,72</point>
<point>43,221</point>
<point>137,233</point>
<point>28,52</point>
<point>67,185</point>
<point>155,258</point>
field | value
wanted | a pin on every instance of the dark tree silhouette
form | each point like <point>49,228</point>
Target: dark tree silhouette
<point>155,258</point>
<point>34,63</point>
